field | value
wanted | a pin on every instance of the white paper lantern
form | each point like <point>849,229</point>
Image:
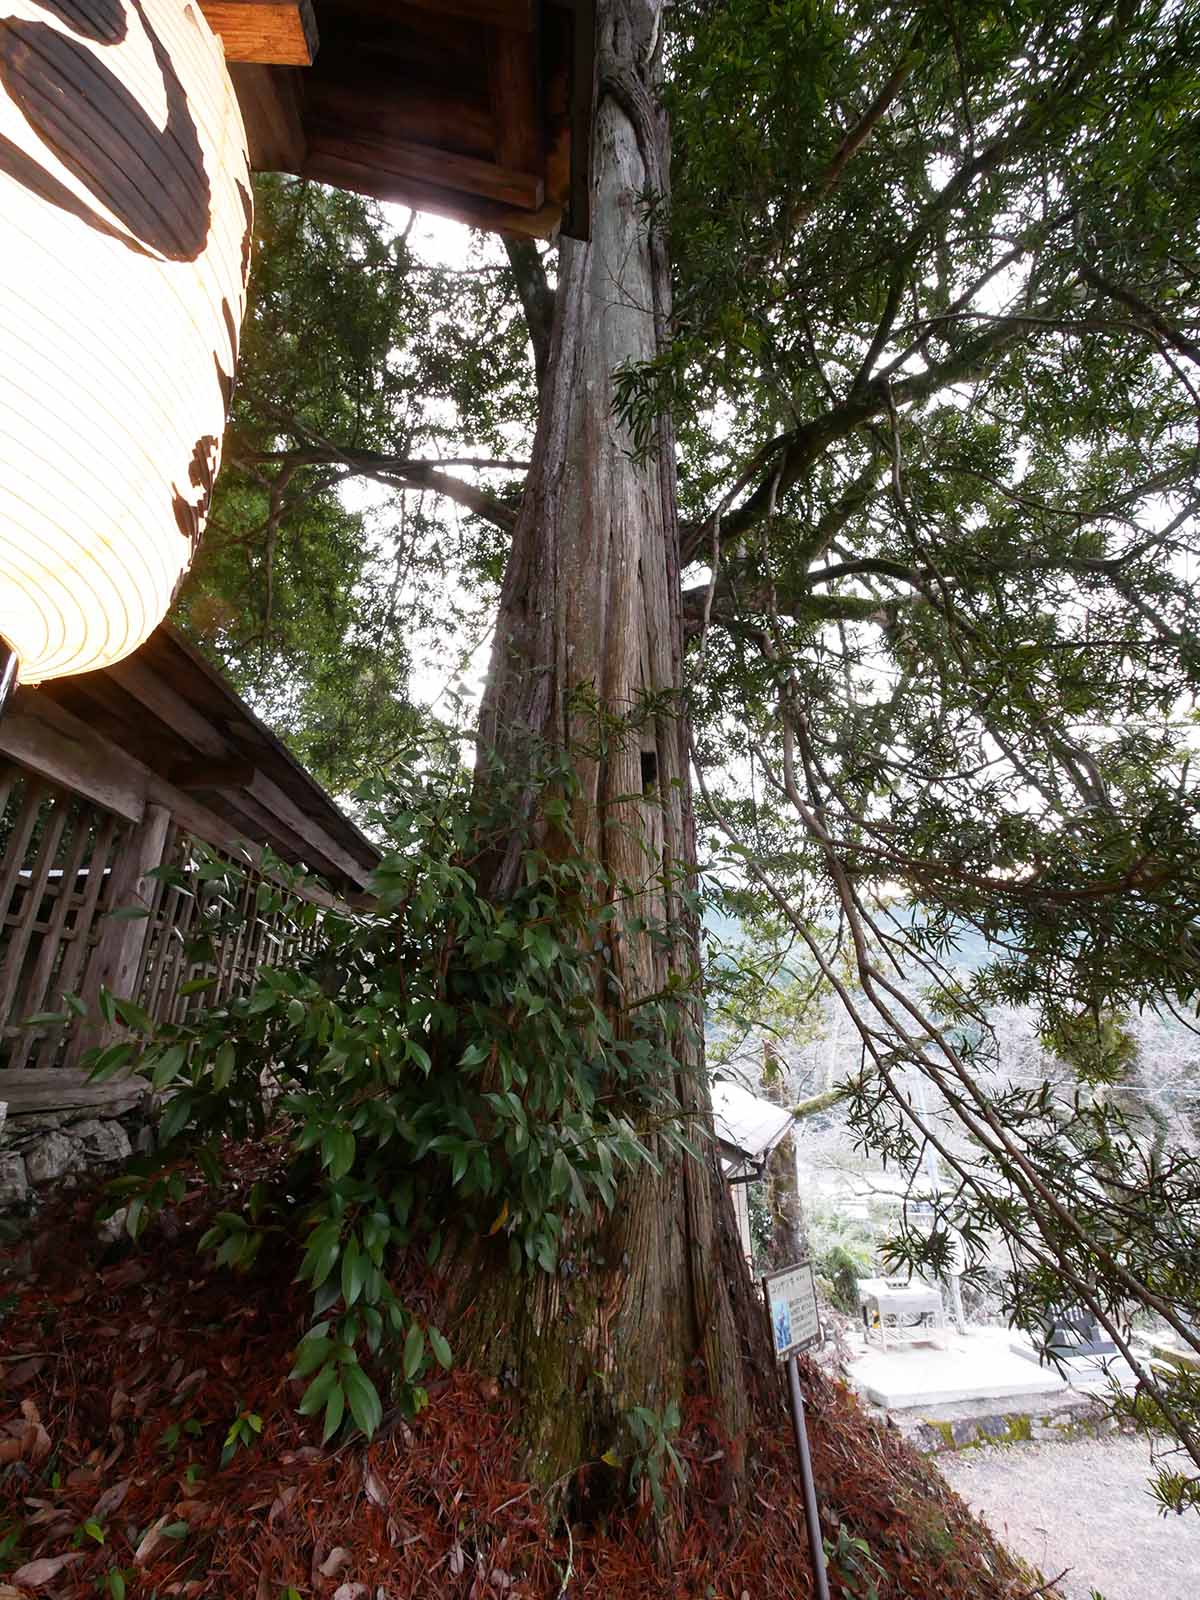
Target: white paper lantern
<point>125,214</point>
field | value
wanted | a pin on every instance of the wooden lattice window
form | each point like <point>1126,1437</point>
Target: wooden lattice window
<point>57,859</point>
<point>73,877</point>
<point>203,925</point>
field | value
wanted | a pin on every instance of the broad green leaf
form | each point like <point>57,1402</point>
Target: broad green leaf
<point>111,1061</point>
<point>414,1351</point>
<point>168,1065</point>
<point>355,1267</point>
<point>339,1147</point>
<point>318,1391</point>
<point>335,1407</point>
<point>175,1118</point>
<point>223,1065</point>
<point>441,1349</point>
<point>310,1353</point>
<point>363,1399</point>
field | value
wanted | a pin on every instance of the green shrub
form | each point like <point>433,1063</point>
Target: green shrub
<point>441,1060</point>
<point>841,1268</point>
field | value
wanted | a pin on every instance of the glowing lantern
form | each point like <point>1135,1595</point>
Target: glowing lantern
<point>125,216</point>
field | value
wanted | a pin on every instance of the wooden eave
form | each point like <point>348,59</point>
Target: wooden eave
<point>170,723</point>
<point>480,110</point>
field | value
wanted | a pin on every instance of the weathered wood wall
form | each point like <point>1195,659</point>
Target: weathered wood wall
<point>86,827</point>
<point>83,907</point>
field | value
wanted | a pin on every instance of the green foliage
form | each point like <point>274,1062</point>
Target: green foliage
<point>841,1269</point>
<point>11,1539</point>
<point>354,354</point>
<point>761,1226</point>
<point>444,1069</point>
<point>855,1564</point>
<point>1097,1048</point>
<point>653,1453</point>
<point>175,1432</point>
<point>932,370</point>
<point>243,1432</point>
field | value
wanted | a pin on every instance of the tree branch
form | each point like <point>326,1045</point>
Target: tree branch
<point>537,298</point>
<point>401,472</point>
<point>1146,313</point>
<point>852,143</point>
<point>809,442</point>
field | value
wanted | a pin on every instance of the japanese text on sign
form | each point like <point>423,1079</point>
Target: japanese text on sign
<point>792,1305</point>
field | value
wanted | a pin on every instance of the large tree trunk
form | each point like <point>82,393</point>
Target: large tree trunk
<point>783,1190</point>
<point>591,609</point>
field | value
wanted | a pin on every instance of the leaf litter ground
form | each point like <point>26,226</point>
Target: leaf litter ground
<point>122,1372</point>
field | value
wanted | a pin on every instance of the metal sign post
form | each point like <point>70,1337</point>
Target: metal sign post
<point>791,1297</point>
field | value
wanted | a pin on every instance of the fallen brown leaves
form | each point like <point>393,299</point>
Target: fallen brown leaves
<point>119,1381</point>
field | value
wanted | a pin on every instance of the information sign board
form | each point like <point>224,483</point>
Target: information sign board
<point>791,1296</point>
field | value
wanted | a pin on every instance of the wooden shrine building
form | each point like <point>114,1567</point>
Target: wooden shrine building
<point>480,110</point>
<point>105,778</point>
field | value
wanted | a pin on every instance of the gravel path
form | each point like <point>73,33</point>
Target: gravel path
<point>1083,1505</point>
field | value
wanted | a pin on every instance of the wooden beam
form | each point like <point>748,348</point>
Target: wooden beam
<point>43,738</point>
<point>145,686</point>
<point>270,102</point>
<point>276,33</point>
<point>424,164</point>
<point>516,101</point>
<point>322,850</point>
<point>216,775</point>
<point>520,15</point>
<point>67,1089</point>
<point>366,178</point>
<point>390,105</point>
<point>46,739</point>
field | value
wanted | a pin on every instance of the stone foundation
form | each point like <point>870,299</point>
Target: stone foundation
<point>44,1149</point>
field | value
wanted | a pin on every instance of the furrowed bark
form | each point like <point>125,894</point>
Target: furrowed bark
<point>590,622</point>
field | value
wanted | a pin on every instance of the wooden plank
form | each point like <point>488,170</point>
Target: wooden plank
<point>171,972</point>
<point>118,951</point>
<point>55,743</point>
<point>366,178</point>
<point>145,686</point>
<point>66,1089</point>
<point>280,33</point>
<point>173,913</point>
<point>160,890</point>
<point>20,832</point>
<point>73,963</point>
<point>40,736</point>
<point>215,775</point>
<point>36,989</point>
<point>249,737</point>
<point>145,855</point>
<point>110,712</point>
<point>270,100</point>
<point>516,101</point>
<point>445,168</point>
<point>33,888</point>
<point>252,819</point>
<point>516,14</point>
<point>322,850</point>
<point>372,95</point>
<point>233,838</point>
